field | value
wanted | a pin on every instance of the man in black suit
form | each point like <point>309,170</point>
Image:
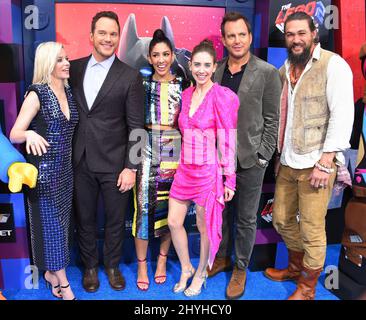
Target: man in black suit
<point>109,95</point>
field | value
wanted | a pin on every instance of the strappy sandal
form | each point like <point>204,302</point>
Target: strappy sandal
<point>65,287</point>
<point>50,286</point>
<point>162,277</point>
<point>189,274</point>
<point>138,283</point>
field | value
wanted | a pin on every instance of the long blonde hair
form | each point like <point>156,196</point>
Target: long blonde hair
<point>45,61</point>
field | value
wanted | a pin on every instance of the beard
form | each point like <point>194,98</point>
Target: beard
<point>299,59</point>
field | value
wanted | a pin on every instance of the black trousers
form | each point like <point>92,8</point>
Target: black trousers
<point>243,209</point>
<point>87,187</point>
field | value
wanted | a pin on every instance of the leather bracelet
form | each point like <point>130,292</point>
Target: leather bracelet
<point>323,168</point>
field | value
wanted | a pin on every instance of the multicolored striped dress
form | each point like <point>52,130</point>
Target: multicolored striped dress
<point>159,158</point>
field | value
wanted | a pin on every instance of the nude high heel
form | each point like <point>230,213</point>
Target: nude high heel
<point>189,292</point>
<point>180,288</point>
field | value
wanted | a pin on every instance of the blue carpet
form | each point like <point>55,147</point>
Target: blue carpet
<point>258,287</point>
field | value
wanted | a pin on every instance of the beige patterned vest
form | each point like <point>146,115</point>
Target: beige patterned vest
<point>311,112</point>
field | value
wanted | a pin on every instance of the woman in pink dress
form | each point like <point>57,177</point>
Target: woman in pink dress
<point>206,171</point>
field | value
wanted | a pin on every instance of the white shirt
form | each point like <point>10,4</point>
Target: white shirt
<point>95,74</point>
<point>339,93</point>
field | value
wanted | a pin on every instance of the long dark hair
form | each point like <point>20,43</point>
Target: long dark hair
<point>158,37</point>
<point>300,15</point>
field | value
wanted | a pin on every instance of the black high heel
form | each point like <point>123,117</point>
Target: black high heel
<point>49,286</point>
<point>65,287</point>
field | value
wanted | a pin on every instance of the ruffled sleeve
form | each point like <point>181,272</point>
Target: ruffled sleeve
<point>186,99</point>
<point>226,114</point>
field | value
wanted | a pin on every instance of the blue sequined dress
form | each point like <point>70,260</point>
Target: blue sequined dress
<point>49,204</point>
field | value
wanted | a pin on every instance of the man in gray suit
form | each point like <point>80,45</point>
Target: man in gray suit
<point>258,86</point>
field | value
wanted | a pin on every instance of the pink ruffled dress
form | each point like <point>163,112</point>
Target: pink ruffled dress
<point>207,159</point>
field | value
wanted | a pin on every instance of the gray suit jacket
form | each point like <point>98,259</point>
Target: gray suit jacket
<point>259,94</point>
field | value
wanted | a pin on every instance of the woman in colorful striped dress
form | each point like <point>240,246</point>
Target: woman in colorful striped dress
<point>159,158</point>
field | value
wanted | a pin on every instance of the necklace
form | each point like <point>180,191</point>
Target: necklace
<point>297,70</point>
<point>295,74</point>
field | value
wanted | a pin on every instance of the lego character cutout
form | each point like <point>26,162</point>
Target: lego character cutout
<point>14,170</point>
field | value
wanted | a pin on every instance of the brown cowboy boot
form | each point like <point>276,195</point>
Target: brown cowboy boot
<point>306,285</point>
<point>292,272</point>
<point>2,297</point>
<point>236,287</point>
<point>219,265</point>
